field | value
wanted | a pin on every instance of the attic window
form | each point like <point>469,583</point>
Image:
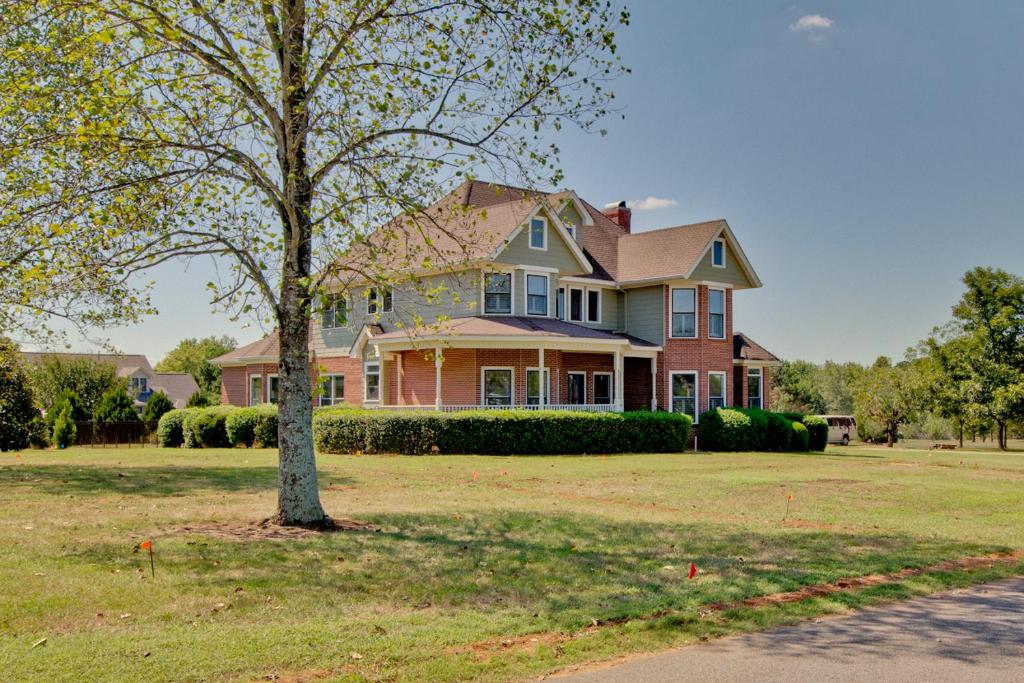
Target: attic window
<point>718,253</point>
<point>538,234</point>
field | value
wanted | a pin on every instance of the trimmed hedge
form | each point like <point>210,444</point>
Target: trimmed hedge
<point>206,427</point>
<point>169,430</point>
<point>798,443</point>
<point>504,432</point>
<point>779,433</point>
<point>751,429</point>
<point>256,426</point>
<point>817,432</point>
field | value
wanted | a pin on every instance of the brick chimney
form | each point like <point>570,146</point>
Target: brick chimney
<point>619,214</point>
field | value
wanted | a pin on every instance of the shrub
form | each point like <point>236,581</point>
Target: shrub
<point>71,399</point>
<point>64,429</point>
<point>170,430</point>
<point>798,442</point>
<point>206,427</point>
<point>256,426</point>
<point>778,434</point>
<point>39,433</point>
<point>158,404</point>
<point>198,400</point>
<point>116,406</point>
<point>758,427</point>
<point>817,432</point>
<point>511,432</point>
<point>792,416</point>
<point>727,429</point>
<point>265,435</point>
<point>17,402</point>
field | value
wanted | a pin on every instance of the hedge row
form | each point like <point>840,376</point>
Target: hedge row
<point>219,427</point>
<point>751,429</point>
<point>505,432</point>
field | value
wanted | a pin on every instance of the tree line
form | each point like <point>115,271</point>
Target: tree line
<point>966,378</point>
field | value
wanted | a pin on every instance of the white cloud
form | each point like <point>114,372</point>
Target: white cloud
<point>811,22</point>
<point>651,203</point>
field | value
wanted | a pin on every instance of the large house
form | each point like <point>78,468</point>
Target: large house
<point>515,281</point>
<point>142,380</point>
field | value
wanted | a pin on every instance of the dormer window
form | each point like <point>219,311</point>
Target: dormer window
<point>718,253</point>
<point>538,234</point>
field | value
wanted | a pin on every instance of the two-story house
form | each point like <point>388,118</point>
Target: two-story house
<point>531,299</point>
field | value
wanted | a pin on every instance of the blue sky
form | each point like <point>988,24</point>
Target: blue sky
<point>865,153</point>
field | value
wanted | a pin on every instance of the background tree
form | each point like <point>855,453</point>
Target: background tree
<point>193,356</point>
<point>55,376</point>
<point>64,429</point>
<point>198,400</point>
<point>17,402</point>
<point>158,404</point>
<point>891,395</point>
<point>795,388</point>
<point>116,406</point>
<point>272,135</point>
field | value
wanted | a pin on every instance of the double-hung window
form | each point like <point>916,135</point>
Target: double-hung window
<point>371,382</point>
<point>684,393</point>
<point>576,305</point>
<point>255,390</point>
<point>754,396</point>
<point>332,390</point>
<point>498,294</point>
<point>538,234</point>
<point>536,294</point>
<point>272,384</point>
<point>533,386</point>
<point>716,313</point>
<point>716,390</point>
<point>335,312</point>
<point>379,300</point>
<point>594,305</point>
<point>684,312</point>
<point>497,386</point>
<point>603,388</point>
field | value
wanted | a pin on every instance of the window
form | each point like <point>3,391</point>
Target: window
<point>576,305</point>
<point>716,313</point>
<point>577,388</point>
<point>332,390</point>
<point>718,254</point>
<point>571,229</point>
<point>272,388</point>
<point>140,385</point>
<point>684,393</point>
<point>560,304</point>
<point>496,386</point>
<point>536,294</point>
<point>498,293</point>
<point>255,390</point>
<point>603,388</point>
<point>335,312</point>
<point>754,396</point>
<point>371,382</point>
<point>716,390</point>
<point>533,386</point>
<point>379,300</point>
<point>538,234</point>
<point>684,312</point>
<point>594,305</point>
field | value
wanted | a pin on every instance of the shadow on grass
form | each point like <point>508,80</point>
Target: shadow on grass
<point>146,481</point>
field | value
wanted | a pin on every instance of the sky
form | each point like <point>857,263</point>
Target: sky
<point>865,153</point>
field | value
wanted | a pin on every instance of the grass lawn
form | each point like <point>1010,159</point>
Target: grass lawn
<point>476,557</point>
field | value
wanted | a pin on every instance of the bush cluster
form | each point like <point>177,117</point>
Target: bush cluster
<point>751,429</point>
<point>505,432</point>
<point>169,431</point>
<point>255,426</point>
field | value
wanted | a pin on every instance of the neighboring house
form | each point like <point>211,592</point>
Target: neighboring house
<point>143,381</point>
<point>618,320</point>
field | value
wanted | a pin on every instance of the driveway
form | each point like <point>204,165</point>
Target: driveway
<point>974,635</point>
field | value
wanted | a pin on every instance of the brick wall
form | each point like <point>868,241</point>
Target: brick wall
<point>234,386</point>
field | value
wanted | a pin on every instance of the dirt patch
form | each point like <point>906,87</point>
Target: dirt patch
<point>488,649</point>
<point>267,530</point>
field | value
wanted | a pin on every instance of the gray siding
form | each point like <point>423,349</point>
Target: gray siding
<point>645,313</point>
<point>557,255</point>
<point>732,273</point>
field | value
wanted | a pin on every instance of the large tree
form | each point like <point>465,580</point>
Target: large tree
<point>891,395</point>
<point>18,411</point>
<point>193,356</point>
<point>272,134</point>
<point>56,376</point>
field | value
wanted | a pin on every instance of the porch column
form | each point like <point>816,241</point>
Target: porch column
<point>619,392</point>
<point>540,371</point>
<point>438,362</point>
<point>654,383</point>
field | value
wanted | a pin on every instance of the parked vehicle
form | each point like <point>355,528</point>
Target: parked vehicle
<point>842,429</point>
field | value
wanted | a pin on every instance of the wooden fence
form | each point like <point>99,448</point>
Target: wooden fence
<point>116,434</point>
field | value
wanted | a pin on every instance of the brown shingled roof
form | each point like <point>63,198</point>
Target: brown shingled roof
<point>258,350</point>
<point>509,326</point>
<point>745,348</point>
<point>665,253</point>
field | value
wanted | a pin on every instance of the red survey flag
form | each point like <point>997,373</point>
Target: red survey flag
<point>146,545</point>
<point>693,571</point>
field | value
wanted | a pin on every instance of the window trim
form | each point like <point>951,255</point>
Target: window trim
<point>526,386</point>
<point>568,375</point>
<point>544,233</point>
<point>718,240</point>
<point>366,386</point>
<point>258,376</point>
<point>611,386</point>
<point>547,294</point>
<point>725,309</point>
<point>760,387</point>
<point>387,298</point>
<point>512,383</point>
<point>583,304</point>
<point>269,378</point>
<point>600,317</point>
<point>320,382</point>
<point>696,313</point>
<point>725,387</point>
<point>696,391</point>
<point>511,296</point>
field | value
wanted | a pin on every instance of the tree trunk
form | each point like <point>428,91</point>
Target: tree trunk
<point>1002,436</point>
<point>961,433</point>
<point>890,435</point>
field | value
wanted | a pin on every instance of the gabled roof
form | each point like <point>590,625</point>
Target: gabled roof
<point>746,349</point>
<point>179,387</point>
<point>509,326</point>
<point>125,364</point>
<point>261,351</point>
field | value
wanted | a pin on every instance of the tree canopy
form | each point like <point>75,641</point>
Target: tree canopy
<point>17,403</point>
<point>193,356</point>
<point>55,376</point>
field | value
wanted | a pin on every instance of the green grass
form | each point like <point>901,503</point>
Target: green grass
<point>533,545</point>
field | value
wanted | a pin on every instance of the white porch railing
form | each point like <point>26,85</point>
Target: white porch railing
<point>575,407</point>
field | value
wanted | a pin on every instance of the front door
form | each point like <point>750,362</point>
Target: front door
<point>577,388</point>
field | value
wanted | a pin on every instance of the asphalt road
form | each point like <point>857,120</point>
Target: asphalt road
<point>969,636</point>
